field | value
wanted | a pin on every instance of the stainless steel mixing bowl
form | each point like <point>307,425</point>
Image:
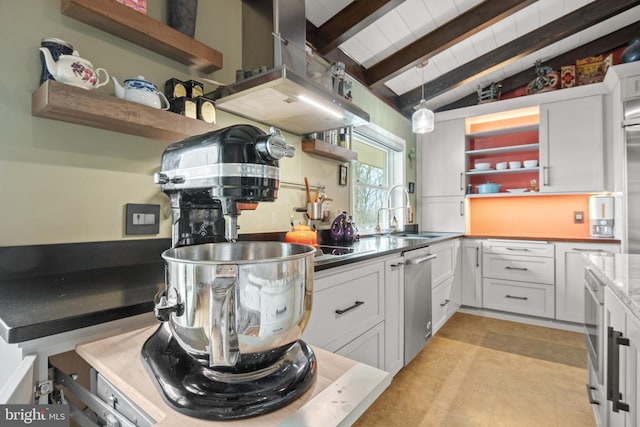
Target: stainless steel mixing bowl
<point>231,300</point>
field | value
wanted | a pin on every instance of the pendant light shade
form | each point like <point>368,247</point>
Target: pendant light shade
<point>422,120</point>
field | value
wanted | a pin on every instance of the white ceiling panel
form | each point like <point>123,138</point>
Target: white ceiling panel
<point>413,19</point>
<point>484,41</point>
<point>441,11</point>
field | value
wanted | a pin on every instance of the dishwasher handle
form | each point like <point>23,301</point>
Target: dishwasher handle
<point>421,259</point>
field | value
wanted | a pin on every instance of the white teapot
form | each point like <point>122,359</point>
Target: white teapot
<point>73,70</point>
<point>141,91</point>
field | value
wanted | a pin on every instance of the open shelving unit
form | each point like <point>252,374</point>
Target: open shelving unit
<point>138,28</point>
<point>502,138</point>
<point>59,101</point>
<point>332,151</point>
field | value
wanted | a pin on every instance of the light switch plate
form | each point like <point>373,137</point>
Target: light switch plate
<point>142,219</point>
<point>578,217</point>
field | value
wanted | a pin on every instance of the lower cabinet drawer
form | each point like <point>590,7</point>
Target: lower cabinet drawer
<point>441,304</point>
<point>519,297</point>
<point>520,268</point>
<point>368,348</point>
<point>351,305</point>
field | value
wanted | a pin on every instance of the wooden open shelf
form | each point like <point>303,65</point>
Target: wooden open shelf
<point>321,148</point>
<point>59,101</point>
<point>138,28</point>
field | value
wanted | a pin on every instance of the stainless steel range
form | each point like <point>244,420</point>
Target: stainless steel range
<point>232,312</point>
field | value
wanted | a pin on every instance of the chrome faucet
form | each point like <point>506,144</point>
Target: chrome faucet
<point>390,209</point>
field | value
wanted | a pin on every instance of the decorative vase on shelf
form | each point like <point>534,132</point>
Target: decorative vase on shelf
<point>632,52</point>
<point>182,16</point>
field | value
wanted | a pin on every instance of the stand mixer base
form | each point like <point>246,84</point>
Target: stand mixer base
<point>188,386</point>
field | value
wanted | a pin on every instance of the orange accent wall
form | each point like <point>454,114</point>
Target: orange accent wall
<point>532,215</point>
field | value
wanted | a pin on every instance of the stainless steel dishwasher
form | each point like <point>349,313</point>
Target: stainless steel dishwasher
<point>417,301</point>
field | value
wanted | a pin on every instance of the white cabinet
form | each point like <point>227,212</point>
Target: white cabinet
<point>347,302</point>
<point>630,87</point>
<point>368,348</point>
<point>521,283</point>
<point>25,364</point>
<point>445,214</point>
<point>472,272</point>
<point>440,157</point>
<point>571,145</point>
<point>441,177</point>
<point>622,363</point>
<point>570,278</point>
<point>446,282</point>
<point>394,315</point>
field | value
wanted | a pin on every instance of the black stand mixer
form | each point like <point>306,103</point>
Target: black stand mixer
<point>232,312</point>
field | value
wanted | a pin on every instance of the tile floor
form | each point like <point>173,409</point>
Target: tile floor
<point>479,371</point>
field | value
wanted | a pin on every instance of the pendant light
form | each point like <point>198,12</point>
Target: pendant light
<point>422,121</point>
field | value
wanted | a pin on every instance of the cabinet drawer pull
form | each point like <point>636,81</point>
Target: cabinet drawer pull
<point>516,297</point>
<point>445,303</point>
<point>587,250</point>
<point>508,267</point>
<point>519,249</point>
<point>592,401</point>
<point>356,304</point>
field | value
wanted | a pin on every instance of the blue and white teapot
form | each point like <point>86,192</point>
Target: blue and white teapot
<point>141,91</point>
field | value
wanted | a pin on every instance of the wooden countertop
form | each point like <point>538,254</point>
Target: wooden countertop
<point>342,391</point>
<point>545,238</point>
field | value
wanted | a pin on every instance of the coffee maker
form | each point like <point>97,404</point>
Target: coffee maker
<point>601,215</point>
<point>232,312</point>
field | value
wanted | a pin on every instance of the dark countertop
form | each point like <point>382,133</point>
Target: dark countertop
<point>50,289</point>
<point>40,299</point>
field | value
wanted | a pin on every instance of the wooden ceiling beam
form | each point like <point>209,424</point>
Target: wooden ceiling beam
<point>442,38</point>
<point>355,17</point>
<point>574,22</point>
<point>604,44</point>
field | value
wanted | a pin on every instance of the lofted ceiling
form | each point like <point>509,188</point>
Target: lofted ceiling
<point>468,43</point>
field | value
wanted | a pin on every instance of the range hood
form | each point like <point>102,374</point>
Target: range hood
<point>294,93</point>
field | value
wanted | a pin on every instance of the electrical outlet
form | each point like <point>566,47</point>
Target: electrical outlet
<point>142,219</point>
<point>578,217</point>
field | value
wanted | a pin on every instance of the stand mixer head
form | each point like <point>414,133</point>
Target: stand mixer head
<point>215,176</point>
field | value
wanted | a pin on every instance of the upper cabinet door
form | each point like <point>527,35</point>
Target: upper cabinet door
<point>441,160</point>
<point>571,145</point>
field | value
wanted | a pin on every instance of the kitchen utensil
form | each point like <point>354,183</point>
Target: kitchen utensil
<point>488,187</point>
<point>56,47</point>
<point>302,234</point>
<point>314,210</point>
<point>74,70</point>
<point>482,166</point>
<point>141,91</point>
<point>501,166</point>
<point>530,163</point>
<point>337,227</point>
<point>232,312</point>
<point>306,185</point>
<point>515,165</point>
